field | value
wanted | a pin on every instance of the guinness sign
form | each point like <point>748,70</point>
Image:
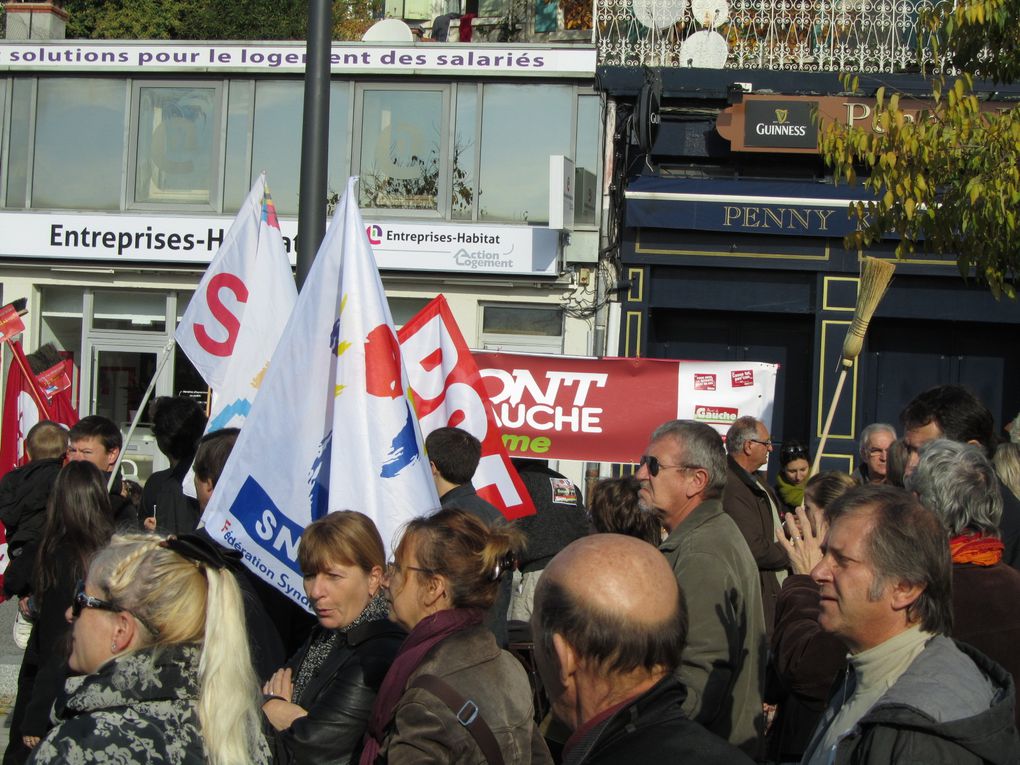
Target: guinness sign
<point>780,124</point>
<point>789,124</point>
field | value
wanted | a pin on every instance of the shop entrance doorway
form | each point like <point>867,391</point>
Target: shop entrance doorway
<point>117,376</point>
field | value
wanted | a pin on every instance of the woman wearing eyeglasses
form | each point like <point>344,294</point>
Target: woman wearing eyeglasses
<point>319,703</point>
<point>794,466</point>
<point>452,696</point>
<point>78,522</point>
<point>159,638</point>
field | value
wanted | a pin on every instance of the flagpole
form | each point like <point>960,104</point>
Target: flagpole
<point>33,385</point>
<point>141,408</point>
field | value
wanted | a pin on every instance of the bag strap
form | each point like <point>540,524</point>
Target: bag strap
<point>467,713</point>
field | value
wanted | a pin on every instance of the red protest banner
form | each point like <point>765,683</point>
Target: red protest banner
<point>11,324</point>
<point>604,410</point>
<point>447,390</point>
<point>56,379</point>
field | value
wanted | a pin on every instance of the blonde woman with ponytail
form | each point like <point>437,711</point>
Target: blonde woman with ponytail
<point>452,695</point>
<point>159,638</point>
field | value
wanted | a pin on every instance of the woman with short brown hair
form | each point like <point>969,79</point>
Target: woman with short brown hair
<point>319,703</point>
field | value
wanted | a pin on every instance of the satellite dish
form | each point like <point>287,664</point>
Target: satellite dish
<point>710,13</point>
<point>658,14</point>
<point>389,30</point>
<point>646,115</point>
<point>704,50</point>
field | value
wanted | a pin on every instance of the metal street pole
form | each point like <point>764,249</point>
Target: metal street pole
<point>314,137</point>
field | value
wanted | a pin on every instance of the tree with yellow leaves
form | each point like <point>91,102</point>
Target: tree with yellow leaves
<point>946,180</point>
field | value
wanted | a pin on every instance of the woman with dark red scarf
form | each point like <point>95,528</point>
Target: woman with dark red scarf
<point>452,695</point>
<point>958,483</point>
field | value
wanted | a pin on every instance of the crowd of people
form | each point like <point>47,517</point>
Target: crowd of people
<point>690,613</point>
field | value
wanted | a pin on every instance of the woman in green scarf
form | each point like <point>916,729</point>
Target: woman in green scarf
<point>794,465</point>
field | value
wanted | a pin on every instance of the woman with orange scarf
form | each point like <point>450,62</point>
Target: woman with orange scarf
<point>958,483</point>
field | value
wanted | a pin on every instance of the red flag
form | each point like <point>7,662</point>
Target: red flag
<point>448,390</point>
<point>56,383</point>
<point>24,406</point>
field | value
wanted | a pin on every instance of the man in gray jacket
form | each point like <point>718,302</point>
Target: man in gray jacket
<point>910,694</point>
<point>682,476</point>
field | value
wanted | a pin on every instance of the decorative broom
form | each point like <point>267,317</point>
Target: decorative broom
<point>875,277</point>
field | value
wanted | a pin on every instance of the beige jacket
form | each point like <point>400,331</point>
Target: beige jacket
<point>424,729</point>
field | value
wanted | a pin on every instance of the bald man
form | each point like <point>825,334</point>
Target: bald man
<point>610,626</point>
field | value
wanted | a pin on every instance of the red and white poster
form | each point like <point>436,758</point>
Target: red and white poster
<point>448,391</point>
<point>11,324</point>
<point>604,410</point>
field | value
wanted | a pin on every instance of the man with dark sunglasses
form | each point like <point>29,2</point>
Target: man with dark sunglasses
<point>682,475</point>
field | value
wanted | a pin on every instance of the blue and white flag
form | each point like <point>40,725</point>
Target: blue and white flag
<point>239,310</point>
<point>332,428</point>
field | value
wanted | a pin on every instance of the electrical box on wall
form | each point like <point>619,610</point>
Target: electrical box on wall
<point>561,192</point>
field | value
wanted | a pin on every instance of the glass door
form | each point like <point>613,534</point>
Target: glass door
<point>119,374</point>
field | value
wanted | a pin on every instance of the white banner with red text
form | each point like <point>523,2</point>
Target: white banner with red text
<point>605,409</point>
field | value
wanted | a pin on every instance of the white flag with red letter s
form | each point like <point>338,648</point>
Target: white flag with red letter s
<point>240,308</point>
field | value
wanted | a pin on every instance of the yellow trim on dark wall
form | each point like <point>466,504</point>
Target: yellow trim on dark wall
<point>825,293</point>
<point>824,400</point>
<point>636,277</point>
<point>633,320</point>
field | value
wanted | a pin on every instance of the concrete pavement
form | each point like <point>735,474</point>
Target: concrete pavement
<point>10,663</point>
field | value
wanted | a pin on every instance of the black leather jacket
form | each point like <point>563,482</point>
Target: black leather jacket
<point>339,697</point>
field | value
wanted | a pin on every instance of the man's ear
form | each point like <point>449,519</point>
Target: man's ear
<point>904,594</point>
<point>566,658</point>
<point>113,454</point>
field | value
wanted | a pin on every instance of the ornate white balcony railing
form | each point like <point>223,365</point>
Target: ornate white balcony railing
<point>793,35</point>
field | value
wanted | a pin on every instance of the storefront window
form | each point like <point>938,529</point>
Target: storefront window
<point>72,166</point>
<point>522,125</point>
<point>586,161</point>
<point>237,167</point>
<point>276,140</point>
<point>60,319</point>
<point>517,327</point>
<point>177,140</point>
<point>19,151</point>
<point>135,310</point>
<point>463,175</point>
<point>565,15</point>
<point>404,309</point>
<point>340,118</point>
<point>3,110</point>
<point>401,149</point>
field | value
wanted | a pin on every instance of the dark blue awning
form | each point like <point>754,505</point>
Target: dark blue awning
<point>789,208</point>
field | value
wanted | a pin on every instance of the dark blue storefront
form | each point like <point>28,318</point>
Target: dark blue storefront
<point>734,269</point>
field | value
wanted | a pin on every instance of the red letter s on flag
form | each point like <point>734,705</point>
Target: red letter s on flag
<point>222,314</point>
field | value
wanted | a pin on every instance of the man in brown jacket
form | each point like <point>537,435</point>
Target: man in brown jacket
<point>753,506</point>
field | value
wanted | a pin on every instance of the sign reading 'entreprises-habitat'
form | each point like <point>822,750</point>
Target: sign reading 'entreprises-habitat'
<point>530,250</point>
